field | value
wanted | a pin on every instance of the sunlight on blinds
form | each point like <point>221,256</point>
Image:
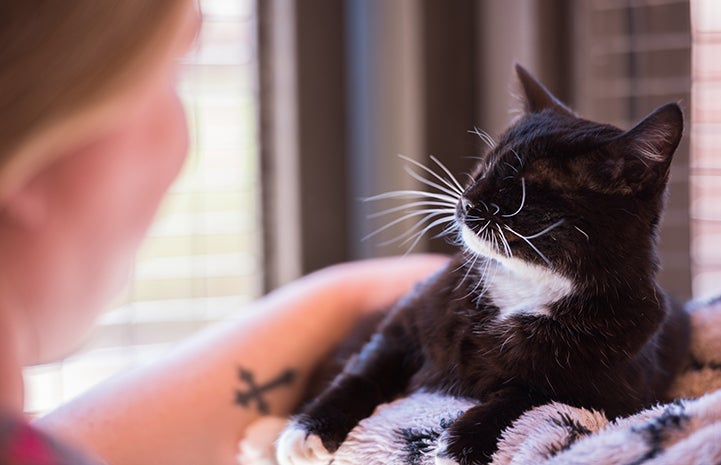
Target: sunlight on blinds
<point>706,147</point>
<point>201,261</point>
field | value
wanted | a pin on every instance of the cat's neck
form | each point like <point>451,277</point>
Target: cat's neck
<point>518,287</point>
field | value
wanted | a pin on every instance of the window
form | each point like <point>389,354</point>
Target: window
<point>202,260</point>
<point>706,147</point>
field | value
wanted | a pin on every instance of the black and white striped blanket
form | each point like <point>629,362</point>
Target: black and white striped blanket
<point>686,431</point>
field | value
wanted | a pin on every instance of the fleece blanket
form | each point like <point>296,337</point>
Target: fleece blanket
<point>686,431</point>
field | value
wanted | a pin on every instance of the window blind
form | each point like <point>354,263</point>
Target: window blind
<point>202,259</point>
<point>706,147</point>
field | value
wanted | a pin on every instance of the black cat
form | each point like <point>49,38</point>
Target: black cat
<point>552,297</point>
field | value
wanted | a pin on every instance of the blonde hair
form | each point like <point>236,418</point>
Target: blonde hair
<point>59,58</point>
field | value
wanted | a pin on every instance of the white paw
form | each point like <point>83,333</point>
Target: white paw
<point>258,444</point>
<point>296,447</point>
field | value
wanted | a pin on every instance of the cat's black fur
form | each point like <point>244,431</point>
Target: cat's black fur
<point>612,342</point>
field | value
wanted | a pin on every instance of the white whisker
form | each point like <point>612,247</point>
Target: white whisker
<point>530,244</point>
<point>413,229</point>
<point>504,242</point>
<point>548,229</point>
<point>583,232</point>
<point>421,233</point>
<point>454,187</point>
<point>469,266</point>
<point>480,280</point>
<point>448,173</point>
<point>448,229</point>
<point>404,194</point>
<point>424,203</point>
<point>485,137</point>
<point>523,199</point>
<point>437,207</point>
<point>429,212</point>
<point>430,183</point>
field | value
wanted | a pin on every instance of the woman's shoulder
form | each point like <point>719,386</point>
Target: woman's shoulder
<point>23,444</point>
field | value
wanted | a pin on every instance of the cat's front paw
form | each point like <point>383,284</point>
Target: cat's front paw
<point>454,449</point>
<point>297,446</point>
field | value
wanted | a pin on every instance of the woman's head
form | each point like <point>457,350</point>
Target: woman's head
<point>91,135</point>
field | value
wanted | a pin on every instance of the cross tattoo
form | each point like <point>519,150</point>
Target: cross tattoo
<point>255,392</point>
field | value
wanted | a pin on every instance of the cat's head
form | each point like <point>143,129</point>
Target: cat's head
<point>578,197</point>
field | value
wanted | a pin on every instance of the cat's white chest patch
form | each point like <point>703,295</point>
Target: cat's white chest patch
<point>516,286</point>
<point>525,291</point>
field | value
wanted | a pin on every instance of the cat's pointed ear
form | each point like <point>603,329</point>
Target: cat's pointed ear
<point>656,137</point>
<point>641,156</point>
<point>537,97</point>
